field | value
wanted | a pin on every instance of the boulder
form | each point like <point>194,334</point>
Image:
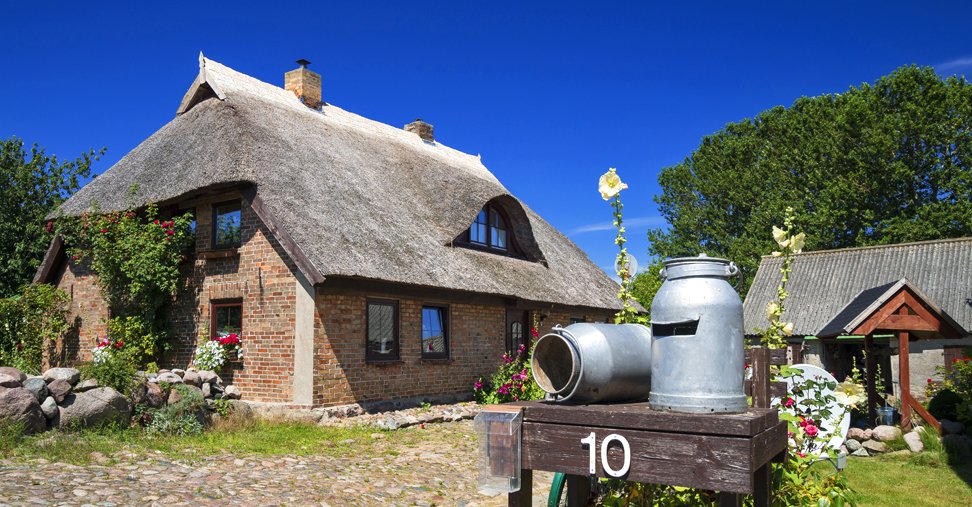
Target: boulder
<point>192,378</point>
<point>952,427</point>
<point>86,385</point>
<point>885,433</point>
<point>232,392</point>
<point>179,372</point>
<point>170,378</point>
<point>866,435</point>
<point>71,375</point>
<point>97,407</point>
<point>9,381</point>
<point>153,396</point>
<point>209,377</point>
<point>206,390</point>
<point>37,387</point>
<point>913,439</point>
<point>13,372</point>
<point>20,405</point>
<point>175,396</point>
<point>874,447</point>
<point>239,408</point>
<point>59,389</point>
<point>852,445</point>
<point>856,434</point>
<point>49,407</point>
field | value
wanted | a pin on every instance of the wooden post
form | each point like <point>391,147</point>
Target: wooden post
<point>870,372</point>
<point>761,377</point>
<point>578,490</point>
<point>523,497</point>
<point>904,378</point>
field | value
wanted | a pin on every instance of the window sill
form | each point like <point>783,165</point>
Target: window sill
<point>221,253</point>
<point>434,360</point>
<point>383,362</point>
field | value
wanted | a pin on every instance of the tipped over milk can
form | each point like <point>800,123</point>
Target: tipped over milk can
<point>697,338</point>
<point>592,363</point>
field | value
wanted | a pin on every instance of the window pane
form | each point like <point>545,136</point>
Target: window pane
<point>381,331</point>
<point>477,232</point>
<point>433,331</point>
<point>497,230</point>
<point>516,330</point>
<point>229,319</point>
<point>227,231</point>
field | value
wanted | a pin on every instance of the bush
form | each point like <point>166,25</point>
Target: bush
<point>180,418</point>
<point>944,405</point>
<point>115,370</point>
<point>512,382</point>
<point>143,343</point>
<point>35,316</point>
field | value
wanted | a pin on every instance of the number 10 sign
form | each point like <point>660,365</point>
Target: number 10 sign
<point>591,442</point>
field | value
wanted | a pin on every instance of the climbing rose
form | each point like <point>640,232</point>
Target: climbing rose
<point>811,430</point>
<point>610,184</point>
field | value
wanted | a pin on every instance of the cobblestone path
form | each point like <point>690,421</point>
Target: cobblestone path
<point>437,469</point>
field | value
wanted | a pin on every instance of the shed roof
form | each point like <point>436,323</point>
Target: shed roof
<point>359,198</point>
<point>823,284</point>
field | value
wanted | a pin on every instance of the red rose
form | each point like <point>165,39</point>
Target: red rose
<point>156,221</point>
<point>49,227</point>
<point>811,430</point>
<point>170,232</point>
<point>104,231</point>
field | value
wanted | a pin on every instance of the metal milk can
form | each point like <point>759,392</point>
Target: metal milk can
<point>592,363</point>
<point>697,338</point>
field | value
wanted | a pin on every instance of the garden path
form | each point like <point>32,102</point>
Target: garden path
<point>437,469</point>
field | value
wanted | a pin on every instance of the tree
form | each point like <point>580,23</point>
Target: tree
<point>32,185</point>
<point>884,163</point>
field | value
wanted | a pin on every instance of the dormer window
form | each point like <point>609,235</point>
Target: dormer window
<point>489,229</point>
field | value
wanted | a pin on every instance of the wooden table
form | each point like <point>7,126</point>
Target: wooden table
<point>729,453</point>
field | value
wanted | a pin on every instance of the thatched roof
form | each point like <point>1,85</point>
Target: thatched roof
<point>823,284</point>
<point>359,198</point>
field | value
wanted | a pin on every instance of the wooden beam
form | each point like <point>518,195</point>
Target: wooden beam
<point>899,322</point>
<point>304,264</point>
<point>890,316</point>
<point>53,258</point>
<point>904,374</point>
<point>870,368</point>
<point>920,410</point>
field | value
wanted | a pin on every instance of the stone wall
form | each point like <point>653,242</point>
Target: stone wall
<point>923,357</point>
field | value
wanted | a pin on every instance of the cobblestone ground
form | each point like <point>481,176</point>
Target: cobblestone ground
<point>437,469</point>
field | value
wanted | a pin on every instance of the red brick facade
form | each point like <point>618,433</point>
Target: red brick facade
<point>260,275</point>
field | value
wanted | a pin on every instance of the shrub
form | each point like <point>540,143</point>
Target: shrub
<point>944,405</point>
<point>116,370</point>
<point>141,340</point>
<point>513,381</point>
<point>35,316</point>
<point>179,418</point>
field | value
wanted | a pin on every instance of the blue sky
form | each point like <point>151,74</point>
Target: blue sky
<point>551,94</point>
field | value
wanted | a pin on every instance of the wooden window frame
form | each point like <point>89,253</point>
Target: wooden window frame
<point>446,320</point>
<point>396,328</point>
<point>223,303</point>
<point>238,203</point>
<point>511,250</point>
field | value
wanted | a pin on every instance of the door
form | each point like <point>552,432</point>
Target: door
<point>517,332</point>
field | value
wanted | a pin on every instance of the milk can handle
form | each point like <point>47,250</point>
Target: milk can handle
<point>663,274</point>
<point>732,269</point>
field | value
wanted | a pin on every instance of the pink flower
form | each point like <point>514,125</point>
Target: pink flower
<point>811,430</point>
<point>478,385</point>
<point>533,332</point>
<point>801,454</point>
<point>156,221</point>
<point>104,231</point>
<point>170,232</point>
<point>788,403</point>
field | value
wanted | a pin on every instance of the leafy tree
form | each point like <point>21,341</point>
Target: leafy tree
<point>31,186</point>
<point>646,284</point>
<point>882,163</point>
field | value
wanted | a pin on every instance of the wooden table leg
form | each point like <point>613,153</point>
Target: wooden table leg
<point>730,500</point>
<point>762,486</point>
<point>578,490</point>
<point>523,497</point>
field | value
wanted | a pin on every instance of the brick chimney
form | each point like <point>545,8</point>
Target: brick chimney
<point>305,84</point>
<point>424,130</point>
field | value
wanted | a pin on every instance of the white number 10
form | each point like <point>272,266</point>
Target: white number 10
<point>591,442</point>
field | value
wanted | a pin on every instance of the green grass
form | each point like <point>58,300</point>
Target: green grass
<point>266,438</point>
<point>919,480</point>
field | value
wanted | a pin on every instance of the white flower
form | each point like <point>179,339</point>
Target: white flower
<point>777,253</point>
<point>210,356</point>
<point>788,328</point>
<point>610,184</point>
<point>850,394</point>
<point>779,235</point>
<point>797,243</point>
<point>771,309</point>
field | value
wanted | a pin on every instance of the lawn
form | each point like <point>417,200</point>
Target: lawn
<point>910,481</point>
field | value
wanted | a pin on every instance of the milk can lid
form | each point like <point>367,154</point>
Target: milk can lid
<point>703,265</point>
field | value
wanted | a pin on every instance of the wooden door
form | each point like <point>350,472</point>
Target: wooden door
<point>517,330</point>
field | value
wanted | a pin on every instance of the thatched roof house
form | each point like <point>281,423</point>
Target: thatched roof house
<point>348,204</point>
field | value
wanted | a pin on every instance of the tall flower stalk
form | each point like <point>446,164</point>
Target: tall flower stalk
<point>789,244</point>
<point>610,187</point>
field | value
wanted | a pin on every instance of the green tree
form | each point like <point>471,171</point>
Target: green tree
<point>31,186</point>
<point>882,163</point>
<point>646,284</point>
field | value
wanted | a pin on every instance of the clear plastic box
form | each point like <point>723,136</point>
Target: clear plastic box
<point>498,429</point>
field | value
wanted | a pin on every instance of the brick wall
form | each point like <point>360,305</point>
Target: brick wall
<point>87,313</point>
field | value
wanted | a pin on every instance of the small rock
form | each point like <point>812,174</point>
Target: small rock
<point>952,427</point>
<point>860,453</point>
<point>210,377</point>
<point>8,381</point>
<point>37,387</point>
<point>232,392</point>
<point>192,378</point>
<point>885,433</point>
<point>20,405</point>
<point>913,439</point>
<point>852,445</point>
<point>856,434</point>
<point>49,408</point>
<point>59,389</point>
<point>378,436</point>
<point>86,385</point>
<point>18,375</point>
<point>207,392</point>
<point>170,378</point>
<point>874,447</point>
<point>71,375</point>
<point>179,372</point>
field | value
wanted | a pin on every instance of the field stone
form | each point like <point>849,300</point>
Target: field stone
<point>860,453</point>
<point>49,407</point>
<point>192,378</point>
<point>856,434</point>
<point>9,381</point>
<point>153,395</point>
<point>14,372</point>
<point>852,445</point>
<point>206,390</point>
<point>59,389</point>
<point>71,375</point>
<point>239,408</point>
<point>20,405</point>
<point>867,435</point>
<point>232,392</point>
<point>97,407</point>
<point>885,433</point>
<point>913,439</point>
<point>37,387</point>
<point>875,447</point>
<point>175,396</point>
<point>209,377</point>
<point>170,377</point>
<point>86,385</point>
<point>179,372</point>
